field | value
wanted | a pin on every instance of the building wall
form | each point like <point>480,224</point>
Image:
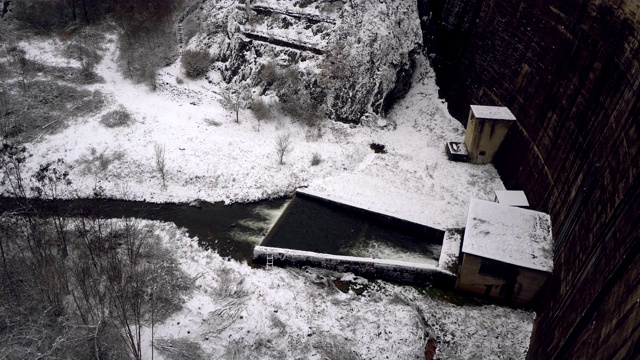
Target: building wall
<point>485,135</point>
<point>470,280</point>
<point>528,282</point>
<point>570,72</point>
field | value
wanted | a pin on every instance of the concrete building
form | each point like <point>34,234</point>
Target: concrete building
<point>512,198</point>
<point>507,252</point>
<point>486,129</point>
<point>575,149</point>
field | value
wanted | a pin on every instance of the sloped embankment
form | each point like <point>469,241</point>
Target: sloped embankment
<point>357,58</point>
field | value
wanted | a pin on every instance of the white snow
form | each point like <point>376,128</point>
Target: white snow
<point>512,198</point>
<point>299,254</point>
<point>233,162</point>
<point>285,313</point>
<point>509,234</point>
<point>48,52</point>
<point>492,112</point>
<point>450,251</point>
<point>291,313</point>
<point>414,180</point>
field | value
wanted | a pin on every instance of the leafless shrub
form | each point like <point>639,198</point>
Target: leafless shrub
<point>146,47</point>
<point>190,27</point>
<point>161,165</point>
<point>263,110</point>
<point>212,122</point>
<point>316,159</point>
<point>179,348</point>
<point>116,118</point>
<point>230,285</point>
<point>269,73</point>
<point>314,133</point>
<point>220,319</point>
<point>260,108</point>
<point>334,348</point>
<point>237,350</point>
<point>234,98</point>
<point>196,63</point>
<point>283,146</point>
<point>278,324</point>
<point>85,75</point>
<point>82,52</point>
<point>86,53</point>
<point>27,68</point>
<point>98,162</point>
<point>7,124</point>
<point>300,97</point>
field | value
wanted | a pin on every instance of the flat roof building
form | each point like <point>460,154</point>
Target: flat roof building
<point>507,252</point>
<point>512,198</point>
<point>487,127</point>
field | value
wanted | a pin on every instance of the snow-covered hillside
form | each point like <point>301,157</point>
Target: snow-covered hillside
<point>359,54</point>
<point>210,157</point>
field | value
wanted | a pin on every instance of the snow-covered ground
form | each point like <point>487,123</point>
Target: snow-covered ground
<point>210,157</point>
<point>300,314</point>
<point>287,313</point>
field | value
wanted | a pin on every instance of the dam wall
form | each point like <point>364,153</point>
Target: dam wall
<point>570,73</point>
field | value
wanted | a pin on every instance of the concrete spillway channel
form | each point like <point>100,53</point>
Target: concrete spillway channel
<point>313,231</point>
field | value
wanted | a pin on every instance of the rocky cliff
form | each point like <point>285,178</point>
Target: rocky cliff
<point>570,72</point>
<point>354,59</point>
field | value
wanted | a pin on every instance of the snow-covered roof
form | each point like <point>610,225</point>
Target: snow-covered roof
<point>509,234</point>
<point>512,197</point>
<point>492,112</point>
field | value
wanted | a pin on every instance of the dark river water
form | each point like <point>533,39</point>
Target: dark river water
<point>234,230</point>
<point>231,230</point>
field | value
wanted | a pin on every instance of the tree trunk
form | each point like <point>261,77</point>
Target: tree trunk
<point>73,10</point>
<point>84,10</point>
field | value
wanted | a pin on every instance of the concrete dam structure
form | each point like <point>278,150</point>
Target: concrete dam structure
<point>570,73</point>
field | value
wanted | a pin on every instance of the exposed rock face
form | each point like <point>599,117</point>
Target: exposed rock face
<point>359,53</point>
<point>570,72</point>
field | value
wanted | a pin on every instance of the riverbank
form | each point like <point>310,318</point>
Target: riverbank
<point>209,156</point>
<point>291,313</point>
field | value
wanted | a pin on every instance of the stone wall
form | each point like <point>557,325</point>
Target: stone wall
<point>570,72</point>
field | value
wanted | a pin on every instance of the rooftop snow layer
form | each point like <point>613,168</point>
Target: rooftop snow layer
<point>509,234</point>
<point>492,112</point>
<point>512,197</point>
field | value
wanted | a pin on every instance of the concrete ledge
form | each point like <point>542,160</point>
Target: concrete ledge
<point>451,246</point>
<point>390,270</point>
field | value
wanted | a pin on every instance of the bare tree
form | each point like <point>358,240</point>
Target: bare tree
<point>233,99</point>
<point>283,146</point>
<point>161,165</point>
<point>26,69</point>
<point>5,124</point>
<point>263,110</point>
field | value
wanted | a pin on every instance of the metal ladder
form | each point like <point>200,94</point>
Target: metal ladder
<point>269,261</point>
